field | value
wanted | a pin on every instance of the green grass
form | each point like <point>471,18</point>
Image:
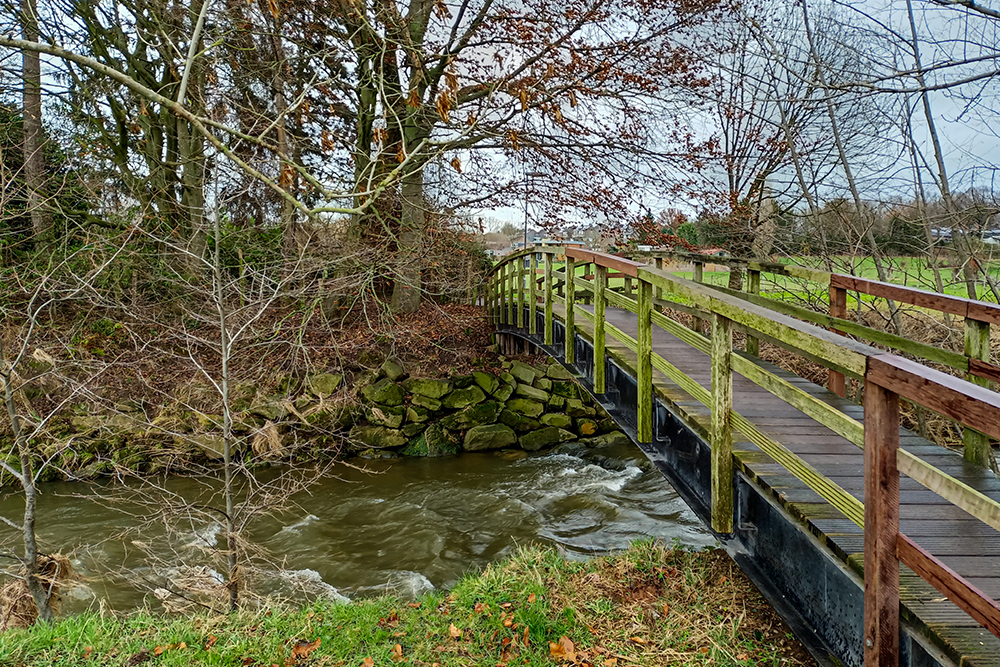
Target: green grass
<point>646,606</point>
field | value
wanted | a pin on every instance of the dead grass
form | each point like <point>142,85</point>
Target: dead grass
<point>17,607</point>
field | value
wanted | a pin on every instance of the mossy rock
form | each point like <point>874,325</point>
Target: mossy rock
<point>426,402</point>
<point>272,409</point>
<point>209,422</point>
<point>586,427</point>
<point>607,425</point>
<point>508,379</point>
<point>487,382</point>
<point>555,371</point>
<point>377,437</point>
<point>474,415</point>
<point>545,437</point>
<point>576,408</point>
<point>385,415</point>
<point>519,422</point>
<point>556,402</point>
<point>557,420</point>
<point>460,398</point>
<point>503,392</point>
<point>323,385</point>
<point>211,444</point>
<point>412,429</point>
<point>393,370</point>
<point>489,436</point>
<point>463,381</point>
<point>526,407</point>
<point>542,383</point>
<point>565,389</point>
<point>85,423</point>
<point>523,372</point>
<point>427,387</point>
<point>527,391</point>
<point>417,414</point>
<point>433,442</point>
<point>384,392</point>
<point>613,438</point>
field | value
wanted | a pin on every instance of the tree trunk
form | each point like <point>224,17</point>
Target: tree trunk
<point>34,158</point>
<point>407,290</point>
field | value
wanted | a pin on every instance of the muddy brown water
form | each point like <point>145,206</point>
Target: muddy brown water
<point>408,526</point>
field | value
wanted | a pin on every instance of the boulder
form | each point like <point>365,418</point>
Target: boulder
<point>576,408</point>
<point>427,402</point>
<point>392,369</point>
<point>212,444</point>
<point>542,383</point>
<point>550,435</point>
<point>323,385</point>
<point>377,437</point>
<point>463,381</point>
<point>385,392</point>
<point>523,372</point>
<point>518,422</point>
<point>586,427</point>
<point>557,420</point>
<point>490,436</point>
<point>417,414</point>
<point>433,442</point>
<point>385,415</point>
<point>460,398</point>
<point>474,415</point>
<point>427,387</point>
<point>556,402</point>
<point>557,372</point>
<point>272,409</point>
<point>487,382</point>
<point>412,429</point>
<point>526,407</point>
<point>565,389</point>
<point>508,379</point>
<point>503,392</point>
<point>613,438</point>
<point>527,391</point>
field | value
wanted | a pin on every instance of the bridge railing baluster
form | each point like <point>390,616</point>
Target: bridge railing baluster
<point>644,372</point>
<point>753,287</point>
<point>836,381</point>
<point>722,426</point>
<point>532,294</point>
<point>977,346</point>
<point>569,351</point>
<point>519,279</point>
<point>548,298</point>
<point>600,302</point>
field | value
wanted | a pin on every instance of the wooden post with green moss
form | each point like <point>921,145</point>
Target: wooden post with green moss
<point>502,294</point>
<point>753,287</point>
<point>568,348</point>
<point>532,295</point>
<point>658,291</point>
<point>511,298</point>
<point>600,284</point>
<point>977,346</point>
<point>698,276</point>
<point>836,382</point>
<point>722,429</point>
<point>547,295</point>
<point>520,292</point>
<point>644,372</point>
<point>628,287</point>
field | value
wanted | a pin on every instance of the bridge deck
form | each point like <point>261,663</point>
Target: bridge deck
<point>962,542</point>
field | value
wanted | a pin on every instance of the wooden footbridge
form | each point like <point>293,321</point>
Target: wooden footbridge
<point>877,546</point>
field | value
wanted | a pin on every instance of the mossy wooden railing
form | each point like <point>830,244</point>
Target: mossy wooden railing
<point>973,362</point>
<point>511,289</point>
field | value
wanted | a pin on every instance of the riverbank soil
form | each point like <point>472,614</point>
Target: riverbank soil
<point>646,606</point>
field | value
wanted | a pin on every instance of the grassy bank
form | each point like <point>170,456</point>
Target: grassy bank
<point>646,606</point>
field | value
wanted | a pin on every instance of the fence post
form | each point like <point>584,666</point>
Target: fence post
<point>501,294</point>
<point>881,527</point>
<point>699,277</point>
<point>547,295</point>
<point>533,294</point>
<point>628,286</point>
<point>511,297</point>
<point>520,292</point>
<point>753,287</point>
<point>977,346</point>
<point>722,427</point>
<point>644,372</point>
<point>658,291</point>
<point>600,284</point>
<point>570,342</point>
<point>838,308</point>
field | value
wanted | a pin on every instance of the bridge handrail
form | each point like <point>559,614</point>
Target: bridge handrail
<point>888,376</point>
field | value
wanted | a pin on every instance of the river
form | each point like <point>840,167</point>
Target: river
<point>406,526</point>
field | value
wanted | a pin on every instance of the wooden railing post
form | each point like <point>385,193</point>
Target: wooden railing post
<point>977,346</point>
<point>569,348</point>
<point>533,294</point>
<point>511,297</point>
<point>547,295</point>
<point>644,372</point>
<point>502,294</point>
<point>838,308</point>
<point>698,276</point>
<point>520,292</point>
<point>628,286</point>
<point>753,287</point>
<point>658,291</point>
<point>722,427</point>
<point>600,284</point>
<point>881,527</point>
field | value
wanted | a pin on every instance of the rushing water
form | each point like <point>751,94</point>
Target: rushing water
<point>406,526</point>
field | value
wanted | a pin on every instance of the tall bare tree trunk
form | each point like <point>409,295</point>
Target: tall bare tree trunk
<point>34,158</point>
<point>406,292</point>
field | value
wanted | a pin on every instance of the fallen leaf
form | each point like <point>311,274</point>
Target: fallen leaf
<point>507,622</point>
<point>742,656</point>
<point>87,650</point>
<point>527,641</point>
<point>704,650</point>
<point>397,653</point>
<point>454,632</point>
<point>505,605</point>
<point>414,605</point>
<point>531,598</point>
<point>564,650</point>
<point>368,662</point>
<point>722,580</point>
<point>480,607</point>
<point>638,640</point>
<point>303,648</point>
<point>611,662</point>
<point>666,610</point>
<point>211,642</point>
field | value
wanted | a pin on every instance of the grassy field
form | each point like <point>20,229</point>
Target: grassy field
<point>646,606</point>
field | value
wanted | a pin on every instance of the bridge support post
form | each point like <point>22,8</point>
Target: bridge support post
<point>532,295</point>
<point>753,287</point>
<point>977,346</point>
<point>644,349</point>
<point>547,294</point>
<point>600,300</point>
<point>722,426</point>
<point>881,526</point>
<point>837,383</point>
<point>569,350</point>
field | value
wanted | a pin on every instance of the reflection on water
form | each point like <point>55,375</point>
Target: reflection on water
<point>408,526</point>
